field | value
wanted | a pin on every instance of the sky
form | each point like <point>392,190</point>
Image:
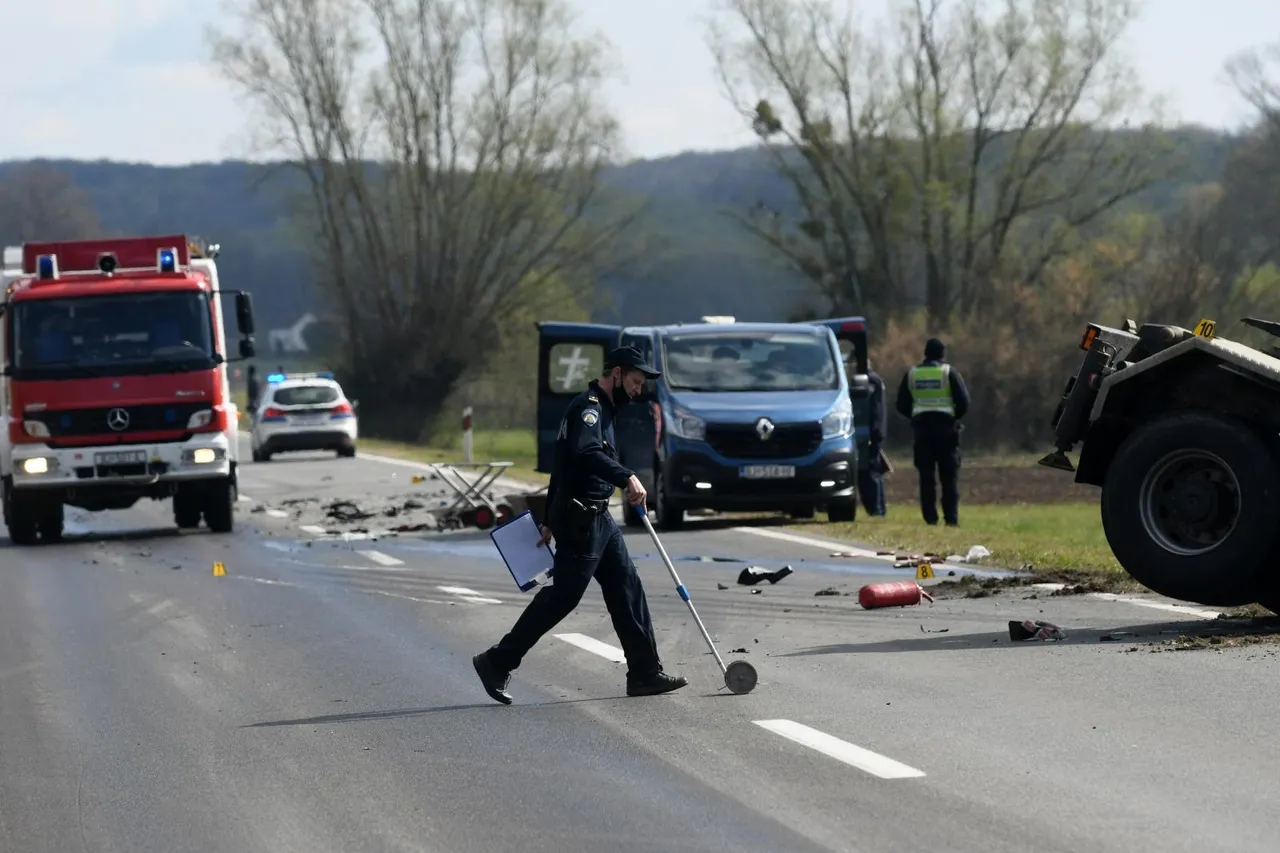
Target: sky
<point>131,80</point>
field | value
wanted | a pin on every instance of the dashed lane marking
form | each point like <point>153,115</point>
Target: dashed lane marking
<point>383,559</point>
<point>841,750</point>
<point>277,513</point>
<point>314,529</point>
<point>591,644</point>
<point>467,594</point>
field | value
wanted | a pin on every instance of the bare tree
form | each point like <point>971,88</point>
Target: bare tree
<point>452,149</point>
<point>982,142</point>
<point>40,202</point>
<point>1253,73</point>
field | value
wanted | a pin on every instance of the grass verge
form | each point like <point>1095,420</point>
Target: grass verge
<point>513,446</point>
<point>1059,543</point>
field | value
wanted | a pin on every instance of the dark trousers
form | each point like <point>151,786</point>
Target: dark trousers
<point>595,549</point>
<point>939,452</point>
<point>871,483</point>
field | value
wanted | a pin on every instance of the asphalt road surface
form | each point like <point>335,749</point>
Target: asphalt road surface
<point>320,697</point>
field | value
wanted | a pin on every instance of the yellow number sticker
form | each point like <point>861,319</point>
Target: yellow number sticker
<point>924,572</point>
<point>1205,329</point>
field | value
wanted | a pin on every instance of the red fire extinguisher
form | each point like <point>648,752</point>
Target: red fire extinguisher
<point>897,594</point>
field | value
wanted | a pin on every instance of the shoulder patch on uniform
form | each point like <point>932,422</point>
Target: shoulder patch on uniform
<point>590,416</point>
<point>591,399</point>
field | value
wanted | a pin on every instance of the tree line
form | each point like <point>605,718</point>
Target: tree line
<point>970,170</point>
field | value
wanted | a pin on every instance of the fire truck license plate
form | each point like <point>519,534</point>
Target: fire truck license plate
<point>120,457</point>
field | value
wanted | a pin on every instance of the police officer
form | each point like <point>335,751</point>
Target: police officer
<point>589,544</point>
<point>871,481</point>
<point>933,395</point>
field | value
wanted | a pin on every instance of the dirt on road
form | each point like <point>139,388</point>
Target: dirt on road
<point>986,483</point>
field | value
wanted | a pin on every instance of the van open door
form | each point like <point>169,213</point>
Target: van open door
<point>569,356</point>
<point>851,333</point>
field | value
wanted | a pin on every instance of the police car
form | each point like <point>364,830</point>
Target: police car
<point>303,411</point>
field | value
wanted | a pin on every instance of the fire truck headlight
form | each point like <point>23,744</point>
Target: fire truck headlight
<point>38,465</point>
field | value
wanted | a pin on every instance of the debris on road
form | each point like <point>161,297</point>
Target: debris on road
<point>752,575</point>
<point>346,511</point>
<point>976,554</point>
<point>828,590</point>
<point>1034,630</point>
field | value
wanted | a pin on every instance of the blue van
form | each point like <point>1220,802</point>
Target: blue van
<point>747,417</point>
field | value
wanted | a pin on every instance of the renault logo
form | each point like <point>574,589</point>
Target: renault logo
<point>118,419</point>
<point>764,428</point>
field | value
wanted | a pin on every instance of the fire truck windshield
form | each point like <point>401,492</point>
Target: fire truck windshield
<point>111,335</point>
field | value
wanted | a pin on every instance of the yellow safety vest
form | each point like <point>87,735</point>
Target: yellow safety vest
<point>931,389</point>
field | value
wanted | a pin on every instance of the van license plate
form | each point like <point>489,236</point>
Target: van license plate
<point>121,457</point>
<point>767,472</point>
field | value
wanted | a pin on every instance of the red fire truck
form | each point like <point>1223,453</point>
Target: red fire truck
<point>114,382</point>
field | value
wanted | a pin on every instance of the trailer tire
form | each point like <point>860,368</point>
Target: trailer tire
<point>1189,507</point>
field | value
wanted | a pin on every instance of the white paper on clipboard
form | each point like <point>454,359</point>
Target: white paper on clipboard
<point>530,564</point>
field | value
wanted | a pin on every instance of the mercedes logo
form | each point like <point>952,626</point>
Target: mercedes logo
<point>117,419</point>
<point>764,428</point>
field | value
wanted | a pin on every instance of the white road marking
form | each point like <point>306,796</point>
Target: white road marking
<point>480,599</point>
<point>468,594</point>
<point>245,498</point>
<point>314,529</point>
<point>277,513</point>
<point>1181,609</point>
<point>826,544</point>
<point>591,644</point>
<point>383,559</point>
<point>457,590</point>
<point>841,750</point>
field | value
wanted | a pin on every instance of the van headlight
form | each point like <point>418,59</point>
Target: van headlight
<point>684,424</point>
<point>838,423</point>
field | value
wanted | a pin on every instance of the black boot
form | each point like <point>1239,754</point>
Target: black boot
<point>655,684</point>
<point>494,682</point>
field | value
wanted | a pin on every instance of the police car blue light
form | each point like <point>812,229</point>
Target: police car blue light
<point>275,377</point>
<point>167,260</point>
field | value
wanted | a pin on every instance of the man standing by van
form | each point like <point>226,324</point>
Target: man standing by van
<point>933,395</point>
<point>871,481</point>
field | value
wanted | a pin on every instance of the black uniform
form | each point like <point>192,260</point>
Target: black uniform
<point>871,481</point>
<point>937,441</point>
<point>589,544</point>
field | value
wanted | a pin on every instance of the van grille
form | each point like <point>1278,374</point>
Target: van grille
<point>741,441</point>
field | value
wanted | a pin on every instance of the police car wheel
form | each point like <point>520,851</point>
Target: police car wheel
<point>1189,507</point>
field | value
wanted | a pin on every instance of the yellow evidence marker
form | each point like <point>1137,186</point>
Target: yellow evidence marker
<point>924,572</point>
<point>1206,329</point>
<point>219,570</point>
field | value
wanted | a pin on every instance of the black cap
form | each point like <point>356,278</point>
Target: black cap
<point>631,359</point>
<point>934,348</point>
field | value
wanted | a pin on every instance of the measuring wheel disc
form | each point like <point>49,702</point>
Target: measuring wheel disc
<point>740,677</point>
<point>484,518</point>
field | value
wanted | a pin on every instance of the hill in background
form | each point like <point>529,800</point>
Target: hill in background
<point>695,258</point>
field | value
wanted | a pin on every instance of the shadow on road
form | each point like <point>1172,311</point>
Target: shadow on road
<point>360,716</point>
<point>1160,636</point>
<point>133,535</point>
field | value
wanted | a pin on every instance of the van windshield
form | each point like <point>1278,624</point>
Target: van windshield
<point>750,361</point>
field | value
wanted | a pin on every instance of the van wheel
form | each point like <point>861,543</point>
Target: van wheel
<point>670,517</point>
<point>842,510</point>
<point>1189,507</point>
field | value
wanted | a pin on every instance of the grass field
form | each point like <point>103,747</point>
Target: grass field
<point>1053,538</point>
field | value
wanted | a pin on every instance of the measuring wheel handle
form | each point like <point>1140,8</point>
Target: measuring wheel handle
<point>739,676</point>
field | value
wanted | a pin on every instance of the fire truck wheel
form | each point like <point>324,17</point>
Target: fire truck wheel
<point>50,524</point>
<point>186,509</point>
<point>219,506</point>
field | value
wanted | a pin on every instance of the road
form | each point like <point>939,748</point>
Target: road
<point>320,697</point>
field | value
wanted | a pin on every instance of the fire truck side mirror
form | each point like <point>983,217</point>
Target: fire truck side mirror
<point>244,312</point>
<point>247,348</point>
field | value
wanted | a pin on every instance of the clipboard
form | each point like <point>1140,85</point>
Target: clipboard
<point>530,564</point>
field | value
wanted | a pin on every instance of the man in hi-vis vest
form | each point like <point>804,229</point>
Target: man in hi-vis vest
<point>933,395</point>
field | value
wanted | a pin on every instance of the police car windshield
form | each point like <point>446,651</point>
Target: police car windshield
<point>112,335</point>
<point>305,395</point>
<point>749,361</point>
